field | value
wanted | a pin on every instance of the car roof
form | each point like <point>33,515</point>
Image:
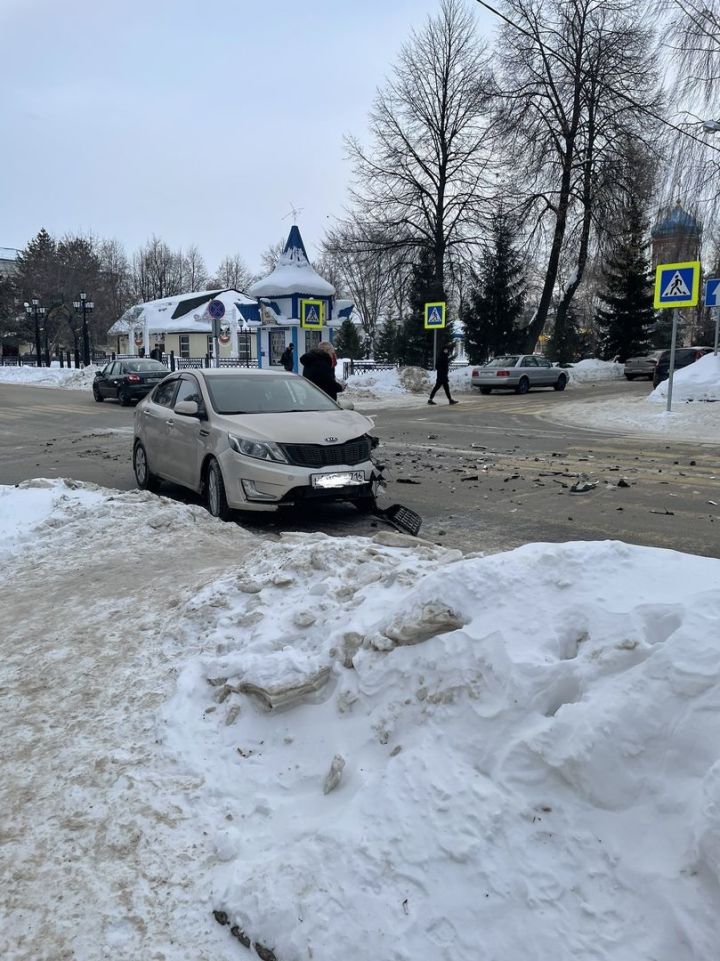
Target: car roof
<point>213,372</point>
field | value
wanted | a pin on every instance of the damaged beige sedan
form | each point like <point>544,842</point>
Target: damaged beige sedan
<point>253,440</point>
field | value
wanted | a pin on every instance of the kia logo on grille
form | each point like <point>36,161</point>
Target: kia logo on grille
<point>329,440</point>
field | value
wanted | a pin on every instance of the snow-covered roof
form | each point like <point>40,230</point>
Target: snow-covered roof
<point>293,274</point>
<point>182,313</point>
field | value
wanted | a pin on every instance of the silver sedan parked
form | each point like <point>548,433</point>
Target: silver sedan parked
<point>253,440</point>
<point>518,372</point>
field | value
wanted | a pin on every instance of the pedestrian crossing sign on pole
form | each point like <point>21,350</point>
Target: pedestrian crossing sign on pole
<point>677,285</point>
<point>312,314</point>
<point>435,315</point>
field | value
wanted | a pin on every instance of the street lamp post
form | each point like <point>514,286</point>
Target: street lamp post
<point>34,310</point>
<point>86,306</point>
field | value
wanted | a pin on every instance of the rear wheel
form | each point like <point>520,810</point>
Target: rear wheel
<point>523,387</point>
<point>215,492</point>
<point>124,397</point>
<point>144,479</point>
<point>97,395</point>
<point>629,376</point>
<point>485,390</point>
<point>561,382</point>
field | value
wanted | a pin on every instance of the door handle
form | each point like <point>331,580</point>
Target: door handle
<point>169,422</point>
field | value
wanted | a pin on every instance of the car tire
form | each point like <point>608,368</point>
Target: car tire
<point>144,479</point>
<point>97,395</point>
<point>485,390</point>
<point>561,383</point>
<point>215,496</point>
<point>523,387</point>
<point>366,505</point>
<point>629,376</point>
<point>124,398</point>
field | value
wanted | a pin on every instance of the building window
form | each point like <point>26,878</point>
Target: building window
<point>244,346</point>
<point>277,346</point>
<point>185,345</point>
<point>312,339</point>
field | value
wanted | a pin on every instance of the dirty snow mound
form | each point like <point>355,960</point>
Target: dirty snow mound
<point>54,376</point>
<point>699,381</point>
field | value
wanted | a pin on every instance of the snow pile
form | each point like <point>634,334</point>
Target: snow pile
<point>449,776</point>
<point>408,384</point>
<point>633,415</point>
<point>351,748</point>
<point>697,382</point>
<point>592,371</point>
<point>54,376</point>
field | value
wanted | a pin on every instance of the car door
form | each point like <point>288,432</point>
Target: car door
<point>185,446</point>
<point>545,373</point>
<point>530,369</point>
<point>105,382</point>
<point>156,411</point>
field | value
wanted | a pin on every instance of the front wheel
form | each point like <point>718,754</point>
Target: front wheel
<point>629,376</point>
<point>97,395</point>
<point>145,480</point>
<point>485,390</point>
<point>561,382</point>
<point>523,387</point>
<point>215,492</point>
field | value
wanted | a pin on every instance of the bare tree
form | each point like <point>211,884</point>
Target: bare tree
<point>269,256</point>
<point>421,182</point>
<point>572,84</point>
<point>195,274</point>
<point>232,272</point>
<point>364,275</point>
<point>156,271</point>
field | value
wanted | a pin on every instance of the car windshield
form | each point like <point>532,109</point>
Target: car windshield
<point>270,394</point>
<point>508,361</point>
<point>144,366</point>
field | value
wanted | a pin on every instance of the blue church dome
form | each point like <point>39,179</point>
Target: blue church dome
<point>677,222</point>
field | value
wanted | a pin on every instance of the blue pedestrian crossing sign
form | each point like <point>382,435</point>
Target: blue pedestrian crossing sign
<point>312,314</point>
<point>435,315</point>
<point>712,292</point>
<point>677,285</point>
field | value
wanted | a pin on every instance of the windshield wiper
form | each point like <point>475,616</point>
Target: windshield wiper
<point>230,413</point>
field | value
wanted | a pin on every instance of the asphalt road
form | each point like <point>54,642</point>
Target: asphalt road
<point>487,475</point>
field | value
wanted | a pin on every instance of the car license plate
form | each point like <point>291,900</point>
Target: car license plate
<point>346,479</point>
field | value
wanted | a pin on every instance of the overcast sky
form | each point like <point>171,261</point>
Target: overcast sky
<point>198,120</point>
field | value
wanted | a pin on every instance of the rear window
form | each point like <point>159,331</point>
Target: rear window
<point>508,361</point>
<point>258,394</point>
<point>143,366</point>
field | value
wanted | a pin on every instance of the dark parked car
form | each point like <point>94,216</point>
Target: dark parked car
<point>128,380</point>
<point>683,357</point>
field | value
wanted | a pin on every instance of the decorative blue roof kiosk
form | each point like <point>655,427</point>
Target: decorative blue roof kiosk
<point>296,305</point>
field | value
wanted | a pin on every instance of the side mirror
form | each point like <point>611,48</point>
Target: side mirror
<point>345,404</point>
<point>189,408</point>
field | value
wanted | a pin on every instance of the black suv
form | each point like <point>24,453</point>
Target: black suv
<point>683,357</point>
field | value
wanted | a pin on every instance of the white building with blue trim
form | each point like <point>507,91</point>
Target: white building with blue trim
<point>258,324</point>
<point>280,298</point>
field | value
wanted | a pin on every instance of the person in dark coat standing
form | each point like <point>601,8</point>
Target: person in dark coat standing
<point>318,368</point>
<point>442,373</point>
<point>287,359</point>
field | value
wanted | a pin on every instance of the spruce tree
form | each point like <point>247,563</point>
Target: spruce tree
<point>565,342</point>
<point>627,318</point>
<point>416,343</point>
<point>386,344</point>
<point>347,341</point>
<point>496,296</point>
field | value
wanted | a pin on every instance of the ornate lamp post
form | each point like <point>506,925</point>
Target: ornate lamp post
<point>86,306</point>
<point>33,309</point>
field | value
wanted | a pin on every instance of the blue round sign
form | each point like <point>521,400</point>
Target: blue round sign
<point>216,309</point>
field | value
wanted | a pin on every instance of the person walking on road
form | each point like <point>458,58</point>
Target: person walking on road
<point>287,359</point>
<point>442,373</point>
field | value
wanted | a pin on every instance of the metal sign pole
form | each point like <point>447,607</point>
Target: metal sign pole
<point>434,349</point>
<point>671,372</point>
<point>717,328</point>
